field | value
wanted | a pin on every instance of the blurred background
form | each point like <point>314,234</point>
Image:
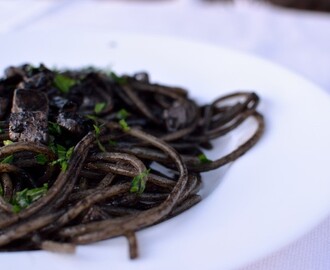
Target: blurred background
<point>318,5</point>
<point>293,33</point>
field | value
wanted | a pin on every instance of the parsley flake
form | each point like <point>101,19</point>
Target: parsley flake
<point>24,198</point>
<point>123,124</point>
<point>203,159</point>
<point>41,159</point>
<point>138,184</point>
<point>63,155</point>
<point>101,146</point>
<point>54,128</point>
<point>117,79</point>
<point>7,142</point>
<point>122,114</point>
<point>63,83</point>
<point>112,143</point>
<point>99,107</point>
<point>92,117</point>
<point>7,160</point>
<point>97,134</point>
<point>97,130</point>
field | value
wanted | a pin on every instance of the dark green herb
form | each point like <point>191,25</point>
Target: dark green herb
<point>24,198</point>
<point>139,182</point>
<point>7,160</point>
<point>52,144</point>
<point>100,145</point>
<point>113,143</point>
<point>92,117</point>
<point>54,128</point>
<point>1,190</point>
<point>7,142</point>
<point>63,83</point>
<point>97,134</point>
<point>63,155</point>
<point>97,130</point>
<point>122,114</point>
<point>123,124</point>
<point>203,159</point>
<point>99,107</point>
<point>1,130</point>
<point>117,79</point>
<point>41,159</point>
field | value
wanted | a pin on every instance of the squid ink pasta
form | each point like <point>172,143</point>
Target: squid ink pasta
<point>78,149</point>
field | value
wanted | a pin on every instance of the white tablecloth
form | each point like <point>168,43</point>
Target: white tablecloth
<point>295,39</point>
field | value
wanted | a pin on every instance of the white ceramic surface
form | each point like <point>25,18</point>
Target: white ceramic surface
<point>268,198</point>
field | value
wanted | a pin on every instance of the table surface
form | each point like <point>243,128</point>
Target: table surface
<point>298,40</point>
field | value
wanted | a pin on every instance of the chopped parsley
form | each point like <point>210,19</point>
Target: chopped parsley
<point>24,198</point>
<point>91,117</point>
<point>97,135</point>
<point>54,128</point>
<point>123,124</point>
<point>203,159</point>
<point>7,160</point>
<point>63,155</point>
<point>7,142</point>
<point>99,107</point>
<point>41,159</point>
<point>117,79</point>
<point>122,114</point>
<point>97,130</point>
<point>112,143</point>
<point>100,145</point>
<point>139,182</point>
<point>63,83</point>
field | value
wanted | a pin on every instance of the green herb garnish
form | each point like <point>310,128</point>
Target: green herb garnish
<point>41,159</point>
<point>122,114</point>
<point>7,142</point>
<point>100,145</point>
<point>97,134</point>
<point>54,128</point>
<point>123,124</point>
<point>1,190</point>
<point>52,144</point>
<point>139,182</point>
<point>112,143</point>
<point>203,159</point>
<point>7,160</point>
<point>99,107</point>
<point>117,79</point>
<point>97,130</point>
<point>1,130</point>
<point>63,156</point>
<point>24,198</point>
<point>92,117</point>
<point>63,83</point>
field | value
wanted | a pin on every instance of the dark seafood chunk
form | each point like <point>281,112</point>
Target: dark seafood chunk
<point>73,122</point>
<point>29,116</point>
<point>41,81</point>
<point>179,115</point>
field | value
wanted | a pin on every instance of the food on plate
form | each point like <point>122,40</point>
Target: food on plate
<point>87,155</point>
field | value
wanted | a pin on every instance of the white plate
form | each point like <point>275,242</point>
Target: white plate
<point>265,200</point>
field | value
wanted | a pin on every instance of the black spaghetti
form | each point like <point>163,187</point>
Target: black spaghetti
<point>77,164</point>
